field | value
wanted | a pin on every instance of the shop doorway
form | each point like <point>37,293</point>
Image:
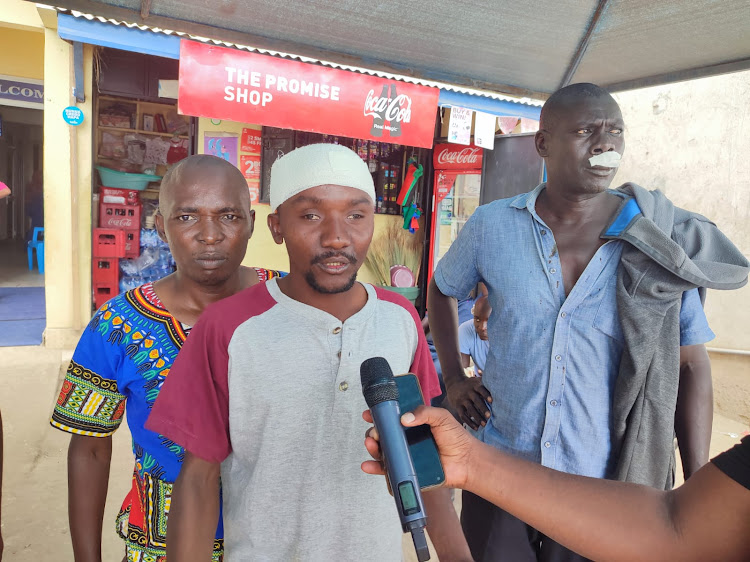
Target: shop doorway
<point>22,306</point>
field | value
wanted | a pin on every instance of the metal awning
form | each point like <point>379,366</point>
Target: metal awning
<point>520,48</point>
<point>78,27</point>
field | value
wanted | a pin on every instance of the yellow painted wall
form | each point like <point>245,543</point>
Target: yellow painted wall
<point>21,15</point>
<point>262,250</point>
<point>21,52</point>
<point>67,196</point>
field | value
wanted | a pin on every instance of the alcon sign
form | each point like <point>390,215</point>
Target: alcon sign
<point>21,92</point>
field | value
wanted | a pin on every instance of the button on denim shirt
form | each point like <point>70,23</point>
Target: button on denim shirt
<point>553,358</point>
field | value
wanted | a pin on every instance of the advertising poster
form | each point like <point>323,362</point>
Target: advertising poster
<point>254,186</point>
<point>445,181</point>
<point>459,129</point>
<point>223,147</point>
<point>250,140</point>
<point>484,130</point>
<point>250,166</point>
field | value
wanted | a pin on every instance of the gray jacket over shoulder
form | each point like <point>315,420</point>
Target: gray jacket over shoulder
<point>668,251</point>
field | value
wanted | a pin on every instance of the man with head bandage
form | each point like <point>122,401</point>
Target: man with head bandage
<point>597,322</point>
<point>266,394</point>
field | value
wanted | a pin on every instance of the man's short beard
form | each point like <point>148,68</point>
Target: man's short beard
<point>310,278</point>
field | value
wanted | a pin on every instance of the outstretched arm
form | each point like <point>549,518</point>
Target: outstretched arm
<point>88,479</point>
<point>194,513</point>
<point>695,408</point>
<point>708,518</point>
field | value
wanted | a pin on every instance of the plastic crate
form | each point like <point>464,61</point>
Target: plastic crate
<point>109,243</point>
<point>104,292</point>
<point>132,243</point>
<point>119,196</point>
<point>124,180</point>
<point>106,271</point>
<point>123,217</point>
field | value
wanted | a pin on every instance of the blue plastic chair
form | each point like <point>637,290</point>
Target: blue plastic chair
<point>36,243</point>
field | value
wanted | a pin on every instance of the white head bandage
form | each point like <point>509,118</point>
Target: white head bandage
<point>318,164</point>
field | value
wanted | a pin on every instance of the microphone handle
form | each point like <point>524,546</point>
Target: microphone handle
<point>399,465</point>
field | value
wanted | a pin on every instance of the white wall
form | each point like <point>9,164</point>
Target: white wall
<point>692,141</point>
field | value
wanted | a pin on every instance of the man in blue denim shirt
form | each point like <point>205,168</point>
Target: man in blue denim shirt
<point>555,336</point>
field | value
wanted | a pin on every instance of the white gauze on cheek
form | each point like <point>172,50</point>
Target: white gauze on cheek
<point>609,159</point>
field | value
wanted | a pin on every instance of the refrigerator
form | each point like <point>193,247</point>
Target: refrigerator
<point>456,194</point>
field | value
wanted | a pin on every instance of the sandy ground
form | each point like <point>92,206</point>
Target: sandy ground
<point>35,523</point>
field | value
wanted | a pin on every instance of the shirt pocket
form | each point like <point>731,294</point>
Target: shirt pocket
<point>607,320</point>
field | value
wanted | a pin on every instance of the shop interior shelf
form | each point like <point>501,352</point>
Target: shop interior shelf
<point>142,132</point>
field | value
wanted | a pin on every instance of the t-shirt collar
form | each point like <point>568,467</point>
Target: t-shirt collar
<point>321,316</point>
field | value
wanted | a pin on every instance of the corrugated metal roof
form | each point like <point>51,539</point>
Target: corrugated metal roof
<point>381,74</point>
<point>509,46</point>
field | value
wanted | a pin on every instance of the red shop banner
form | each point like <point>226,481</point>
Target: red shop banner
<point>457,157</point>
<point>222,83</point>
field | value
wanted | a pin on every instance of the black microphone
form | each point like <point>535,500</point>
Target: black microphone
<point>381,393</point>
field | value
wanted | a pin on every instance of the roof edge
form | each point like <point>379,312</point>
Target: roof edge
<point>680,76</point>
<point>202,31</point>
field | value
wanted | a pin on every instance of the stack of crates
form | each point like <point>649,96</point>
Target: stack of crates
<point>124,214</point>
<point>118,236</point>
<point>109,247</point>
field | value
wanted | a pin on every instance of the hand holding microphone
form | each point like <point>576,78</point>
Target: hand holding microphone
<point>381,394</point>
<point>455,445</point>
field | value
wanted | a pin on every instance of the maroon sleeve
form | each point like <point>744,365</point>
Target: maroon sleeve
<point>424,367</point>
<point>192,408</point>
<point>422,364</point>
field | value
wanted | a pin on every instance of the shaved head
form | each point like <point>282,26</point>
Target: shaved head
<point>566,97</point>
<point>482,308</point>
<point>183,172</point>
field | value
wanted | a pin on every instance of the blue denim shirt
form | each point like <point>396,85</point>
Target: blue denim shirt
<point>553,359</point>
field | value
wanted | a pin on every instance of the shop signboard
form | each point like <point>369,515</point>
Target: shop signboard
<point>222,83</point>
<point>21,92</point>
<point>457,157</point>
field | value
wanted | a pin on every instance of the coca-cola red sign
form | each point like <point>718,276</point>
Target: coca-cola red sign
<point>223,83</point>
<point>457,157</point>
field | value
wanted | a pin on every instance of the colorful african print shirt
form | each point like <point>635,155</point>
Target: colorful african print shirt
<point>124,356</point>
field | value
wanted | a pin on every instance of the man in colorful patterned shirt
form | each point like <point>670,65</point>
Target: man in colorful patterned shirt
<point>125,354</point>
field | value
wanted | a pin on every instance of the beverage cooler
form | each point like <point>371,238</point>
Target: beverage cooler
<point>458,174</point>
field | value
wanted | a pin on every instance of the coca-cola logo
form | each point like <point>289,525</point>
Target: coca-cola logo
<point>394,109</point>
<point>463,156</point>
<point>121,223</point>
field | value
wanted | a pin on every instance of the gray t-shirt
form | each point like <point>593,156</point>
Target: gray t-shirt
<point>270,387</point>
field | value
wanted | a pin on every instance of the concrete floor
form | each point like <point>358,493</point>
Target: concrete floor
<point>14,269</point>
<point>35,523</point>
